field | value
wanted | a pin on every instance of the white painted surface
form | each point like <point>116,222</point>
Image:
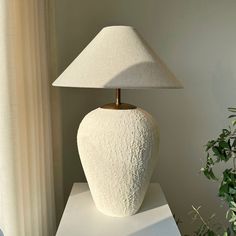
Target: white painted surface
<point>118,150</point>
<point>117,58</point>
<point>81,218</point>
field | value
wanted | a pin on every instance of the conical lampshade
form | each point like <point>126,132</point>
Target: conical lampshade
<point>117,58</point>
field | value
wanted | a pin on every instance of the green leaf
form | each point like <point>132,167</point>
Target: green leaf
<point>225,234</point>
<point>232,219</point>
<point>209,174</point>
<point>223,190</point>
<point>206,173</point>
<point>212,175</point>
<point>232,190</point>
<point>227,214</point>
<point>216,151</point>
<point>210,144</point>
<point>225,132</point>
<point>232,109</point>
<point>233,204</point>
<point>224,144</point>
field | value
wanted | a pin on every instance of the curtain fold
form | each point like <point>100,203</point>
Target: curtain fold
<point>29,141</point>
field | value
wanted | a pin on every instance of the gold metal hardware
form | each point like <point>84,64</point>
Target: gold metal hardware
<point>118,105</point>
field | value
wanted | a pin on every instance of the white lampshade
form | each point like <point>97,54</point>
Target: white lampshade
<point>117,58</point>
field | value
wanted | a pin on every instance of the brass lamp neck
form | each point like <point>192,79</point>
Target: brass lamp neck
<point>118,105</point>
<point>118,97</point>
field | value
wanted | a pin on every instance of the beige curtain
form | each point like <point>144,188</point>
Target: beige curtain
<point>29,140</point>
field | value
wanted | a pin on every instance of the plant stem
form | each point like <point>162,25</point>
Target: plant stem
<point>200,217</point>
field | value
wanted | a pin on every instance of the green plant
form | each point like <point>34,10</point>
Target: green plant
<point>223,149</point>
<point>207,226</point>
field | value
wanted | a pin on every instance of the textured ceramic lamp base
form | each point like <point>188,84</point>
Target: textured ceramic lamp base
<point>118,150</point>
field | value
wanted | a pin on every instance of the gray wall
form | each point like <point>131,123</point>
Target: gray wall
<point>197,40</point>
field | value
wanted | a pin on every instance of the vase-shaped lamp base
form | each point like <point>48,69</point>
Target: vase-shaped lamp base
<point>118,150</point>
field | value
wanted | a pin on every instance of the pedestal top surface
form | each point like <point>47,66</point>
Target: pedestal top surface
<point>81,218</point>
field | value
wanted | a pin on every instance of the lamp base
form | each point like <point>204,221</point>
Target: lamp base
<point>118,151</point>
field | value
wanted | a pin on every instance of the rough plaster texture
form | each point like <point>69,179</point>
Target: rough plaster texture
<point>118,150</point>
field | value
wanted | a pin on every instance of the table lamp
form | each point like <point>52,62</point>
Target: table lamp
<point>118,143</point>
